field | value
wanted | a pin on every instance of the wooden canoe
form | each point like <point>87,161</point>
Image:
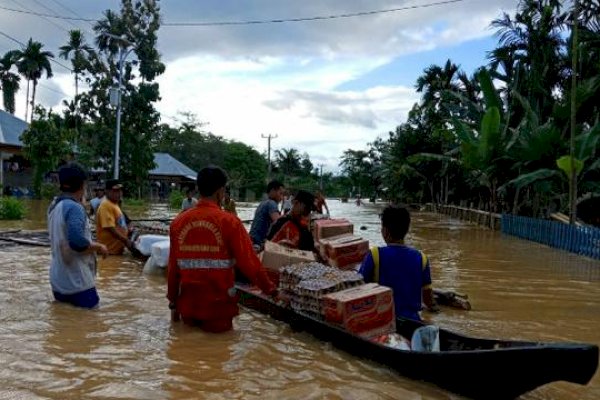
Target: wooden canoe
<point>472,367</point>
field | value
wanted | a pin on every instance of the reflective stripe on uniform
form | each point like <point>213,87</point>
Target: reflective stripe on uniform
<point>197,263</point>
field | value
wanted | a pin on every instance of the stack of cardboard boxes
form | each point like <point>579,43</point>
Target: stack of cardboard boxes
<point>337,244</point>
<point>364,310</point>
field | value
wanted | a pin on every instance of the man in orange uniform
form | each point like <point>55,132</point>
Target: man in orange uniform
<point>207,244</point>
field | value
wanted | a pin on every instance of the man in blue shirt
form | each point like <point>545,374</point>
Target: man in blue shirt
<point>73,262</point>
<point>266,213</point>
<point>402,268</point>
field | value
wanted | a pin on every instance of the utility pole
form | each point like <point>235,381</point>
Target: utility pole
<point>269,137</point>
<point>573,177</point>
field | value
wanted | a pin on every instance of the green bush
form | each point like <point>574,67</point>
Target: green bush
<point>176,198</point>
<point>134,203</point>
<point>11,208</point>
<point>49,191</point>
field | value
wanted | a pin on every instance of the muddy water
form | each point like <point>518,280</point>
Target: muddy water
<point>128,349</point>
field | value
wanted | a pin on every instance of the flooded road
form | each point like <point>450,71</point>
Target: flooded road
<point>128,348</point>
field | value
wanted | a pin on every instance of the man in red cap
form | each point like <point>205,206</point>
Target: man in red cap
<point>207,245</point>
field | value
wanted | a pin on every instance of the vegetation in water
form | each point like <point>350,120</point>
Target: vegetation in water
<point>11,208</point>
<point>175,199</point>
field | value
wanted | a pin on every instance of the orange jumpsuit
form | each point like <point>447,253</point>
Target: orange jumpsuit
<point>207,243</point>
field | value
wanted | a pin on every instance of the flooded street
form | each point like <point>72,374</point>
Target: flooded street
<point>128,348</point>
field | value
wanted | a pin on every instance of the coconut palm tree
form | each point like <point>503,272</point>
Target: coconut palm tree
<point>32,62</point>
<point>435,80</point>
<point>288,161</point>
<point>78,51</point>
<point>9,81</point>
<point>533,40</point>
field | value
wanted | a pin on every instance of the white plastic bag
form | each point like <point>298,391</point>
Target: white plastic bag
<point>151,268</point>
<point>426,338</point>
<point>160,253</point>
<point>144,243</point>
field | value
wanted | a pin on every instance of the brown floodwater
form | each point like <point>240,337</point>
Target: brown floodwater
<point>127,348</point>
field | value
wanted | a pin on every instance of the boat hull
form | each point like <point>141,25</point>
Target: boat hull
<point>472,367</point>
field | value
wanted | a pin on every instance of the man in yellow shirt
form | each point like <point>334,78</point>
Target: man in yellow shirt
<point>111,227</point>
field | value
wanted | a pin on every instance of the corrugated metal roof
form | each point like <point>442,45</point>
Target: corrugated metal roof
<point>11,129</point>
<point>167,165</point>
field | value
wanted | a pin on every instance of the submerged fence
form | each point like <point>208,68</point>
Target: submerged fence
<point>582,240</point>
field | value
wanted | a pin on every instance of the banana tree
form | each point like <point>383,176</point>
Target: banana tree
<point>483,150</point>
<point>586,162</point>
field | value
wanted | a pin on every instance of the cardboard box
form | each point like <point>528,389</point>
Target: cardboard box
<point>366,310</point>
<point>276,256</point>
<point>326,228</point>
<point>321,245</point>
<point>346,251</point>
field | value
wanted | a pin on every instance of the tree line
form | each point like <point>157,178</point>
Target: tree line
<point>500,138</point>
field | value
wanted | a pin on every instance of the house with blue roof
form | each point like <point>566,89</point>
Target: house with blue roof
<point>12,164</point>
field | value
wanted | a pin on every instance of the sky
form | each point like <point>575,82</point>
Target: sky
<point>321,86</point>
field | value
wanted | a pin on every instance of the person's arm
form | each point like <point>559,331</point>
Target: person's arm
<point>247,261</point>
<point>173,279</point>
<point>75,220</point>
<point>325,205</point>
<point>367,268</point>
<point>427,290</point>
<point>119,236</point>
<point>273,211</point>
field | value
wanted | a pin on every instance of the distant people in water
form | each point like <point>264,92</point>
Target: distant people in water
<point>358,201</point>
<point>95,202</point>
<point>320,203</point>
<point>229,204</point>
<point>73,259</point>
<point>189,201</point>
<point>266,214</point>
<point>286,205</point>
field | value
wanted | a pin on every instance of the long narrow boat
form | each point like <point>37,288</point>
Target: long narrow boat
<point>476,368</point>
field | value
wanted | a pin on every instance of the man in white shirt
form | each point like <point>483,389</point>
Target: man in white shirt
<point>189,201</point>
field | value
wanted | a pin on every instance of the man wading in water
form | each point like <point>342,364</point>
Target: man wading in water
<point>207,246</point>
<point>73,262</point>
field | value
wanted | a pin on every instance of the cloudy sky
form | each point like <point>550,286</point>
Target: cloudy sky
<point>322,86</point>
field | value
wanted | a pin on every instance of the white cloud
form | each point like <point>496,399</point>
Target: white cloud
<point>281,78</point>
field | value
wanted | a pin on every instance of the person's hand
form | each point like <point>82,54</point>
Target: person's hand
<point>174,314</point>
<point>434,308</point>
<point>286,243</point>
<point>101,249</point>
<point>280,298</point>
<point>130,244</point>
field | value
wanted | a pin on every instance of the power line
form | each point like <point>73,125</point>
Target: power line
<point>70,10</point>
<point>252,22</point>
<point>24,45</point>
<point>51,10</point>
<point>315,18</point>
<point>45,18</point>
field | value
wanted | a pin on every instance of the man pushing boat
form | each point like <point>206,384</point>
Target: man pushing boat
<point>207,246</point>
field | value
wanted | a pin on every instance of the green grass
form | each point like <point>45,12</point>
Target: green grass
<point>11,208</point>
<point>135,203</point>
